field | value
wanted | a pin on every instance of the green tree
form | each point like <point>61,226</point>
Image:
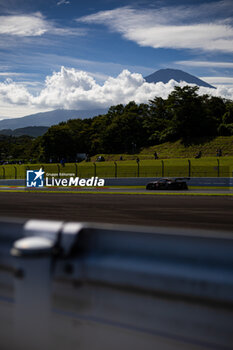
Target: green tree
<point>126,132</point>
<point>226,127</point>
<point>157,121</point>
<point>188,117</point>
<point>58,143</point>
<point>228,115</point>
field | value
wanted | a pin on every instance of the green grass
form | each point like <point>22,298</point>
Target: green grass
<point>178,150</point>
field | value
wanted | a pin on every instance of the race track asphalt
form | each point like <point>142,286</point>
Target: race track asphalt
<point>202,212</point>
<point>123,189</point>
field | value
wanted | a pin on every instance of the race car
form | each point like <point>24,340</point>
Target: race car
<point>178,183</point>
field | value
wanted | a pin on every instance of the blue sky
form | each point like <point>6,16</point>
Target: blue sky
<point>86,54</point>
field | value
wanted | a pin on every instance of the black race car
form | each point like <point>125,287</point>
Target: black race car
<point>178,183</point>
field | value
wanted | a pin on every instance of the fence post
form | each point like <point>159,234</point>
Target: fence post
<point>42,167</point>
<point>94,169</point>
<point>25,171</point>
<point>162,168</point>
<point>4,172</point>
<point>58,170</point>
<point>115,169</point>
<point>32,282</point>
<point>76,169</point>
<point>218,167</point>
<point>15,172</point>
<point>189,171</point>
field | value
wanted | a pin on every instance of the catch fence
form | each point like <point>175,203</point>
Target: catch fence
<point>143,168</point>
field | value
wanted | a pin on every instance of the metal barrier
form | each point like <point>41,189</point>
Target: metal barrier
<point>80,286</point>
<point>194,182</point>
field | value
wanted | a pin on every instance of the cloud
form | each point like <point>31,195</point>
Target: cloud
<point>174,27</point>
<point>13,93</point>
<point>194,63</point>
<point>53,62</point>
<point>32,25</point>
<point>222,80</point>
<point>73,89</point>
<point>219,80</point>
<point>10,74</point>
<point>63,2</point>
<point>24,25</point>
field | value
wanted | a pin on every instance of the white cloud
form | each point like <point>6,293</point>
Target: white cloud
<point>9,111</point>
<point>73,89</point>
<point>24,25</point>
<point>17,74</point>
<point>9,74</point>
<point>97,69</point>
<point>13,93</point>
<point>219,80</point>
<point>63,2</point>
<point>213,64</point>
<point>169,27</point>
<point>32,25</point>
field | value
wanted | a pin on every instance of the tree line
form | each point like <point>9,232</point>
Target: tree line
<point>184,115</point>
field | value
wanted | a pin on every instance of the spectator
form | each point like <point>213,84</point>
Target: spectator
<point>100,159</point>
<point>219,152</point>
<point>88,159</point>
<point>198,155</point>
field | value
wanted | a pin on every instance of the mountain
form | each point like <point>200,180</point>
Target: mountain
<point>33,131</point>
<point>164,75</point>
<point>49,118</point>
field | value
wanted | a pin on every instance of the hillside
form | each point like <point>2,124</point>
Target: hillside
<point>33,131</point>
<point>49,118</point>
<point>178,150</point>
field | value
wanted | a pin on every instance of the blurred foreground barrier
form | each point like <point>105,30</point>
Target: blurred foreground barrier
<point>78,286</point>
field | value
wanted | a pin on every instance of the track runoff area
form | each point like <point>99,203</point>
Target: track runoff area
<point>40,181</point>
<point>35,182</point>
<point>126,190</point>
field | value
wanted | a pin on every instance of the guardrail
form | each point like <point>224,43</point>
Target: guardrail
<point>82,286</point>
<point>205,182</point>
